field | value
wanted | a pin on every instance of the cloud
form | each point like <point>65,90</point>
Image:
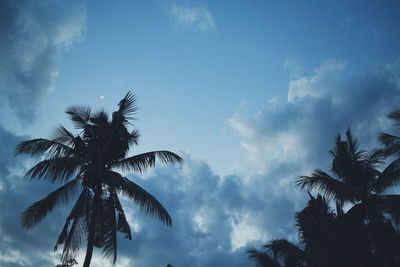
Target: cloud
<point>297,131</point>
<point>32,35</point>
<point>215,218</point>
<point>195,17</point>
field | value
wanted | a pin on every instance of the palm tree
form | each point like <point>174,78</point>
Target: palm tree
<point>326,239</point>
<point>359,183</point>
<point>315,225</point>
<point>363,230</point>
<point>88,163</point>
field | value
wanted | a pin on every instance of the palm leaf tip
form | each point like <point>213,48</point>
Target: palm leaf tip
<point>127,106</point>
<point>169,157</point>
<point>261,258</point>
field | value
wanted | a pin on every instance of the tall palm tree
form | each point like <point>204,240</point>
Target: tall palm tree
<point>359,183</point>
<point>88,163</point>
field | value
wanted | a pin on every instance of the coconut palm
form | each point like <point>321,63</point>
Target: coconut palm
<point>87,164</point>
<point>359,183</point>
<point>326,239</point>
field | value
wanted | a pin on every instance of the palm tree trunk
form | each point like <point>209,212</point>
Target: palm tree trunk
<point>89,249</point>
<point>90,244</point>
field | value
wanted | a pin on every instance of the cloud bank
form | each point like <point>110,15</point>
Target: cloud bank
<point>32,35</point>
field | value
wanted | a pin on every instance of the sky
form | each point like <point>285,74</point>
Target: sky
<point>250,93</point>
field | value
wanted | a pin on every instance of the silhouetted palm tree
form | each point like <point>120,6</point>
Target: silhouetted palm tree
<point>87,163</point>
<point>362,231</point>
<point>326,239</point>
<point>359,182</point>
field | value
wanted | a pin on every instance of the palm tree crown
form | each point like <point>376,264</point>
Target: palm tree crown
<point>88,163</point>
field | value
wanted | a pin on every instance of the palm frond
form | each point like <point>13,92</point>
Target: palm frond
<point>73,239</point>
<point>40,146</point>
<point>122,223</point>
<point>55,169</point>
<point>100,119</point>
<point>388,140</point>
<point>79,209</point>
<point>39,210</point>
<point>127,107</point>
<point>143,198</point>
<point>133,137</point>
<point>79,116</point>
<point>324,184</point>
<point>261,258</point>
<point>142,162</point>
<point>75,227</point>
<point>62,135</point>
<point>389,177</point>
<point>110,236</point>
<point>395,116</point>
<point>286,252</point>
<point>376,158</point>
<point>353,145</point>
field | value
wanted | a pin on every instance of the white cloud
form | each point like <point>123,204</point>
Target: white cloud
<point>322,82</point>
<point>298,131</point>
<point>196,17</point>
<point>244,231</point>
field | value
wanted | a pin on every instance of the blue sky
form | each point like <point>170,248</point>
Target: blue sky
<point>251,93</point>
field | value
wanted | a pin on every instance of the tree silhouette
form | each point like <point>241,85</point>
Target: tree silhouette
<point>315,224</point>
<point>88,163</point>
<point>360,183</point>
<point>362,230</point>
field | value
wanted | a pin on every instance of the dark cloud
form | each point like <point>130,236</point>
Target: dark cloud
<point>32,33</point>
